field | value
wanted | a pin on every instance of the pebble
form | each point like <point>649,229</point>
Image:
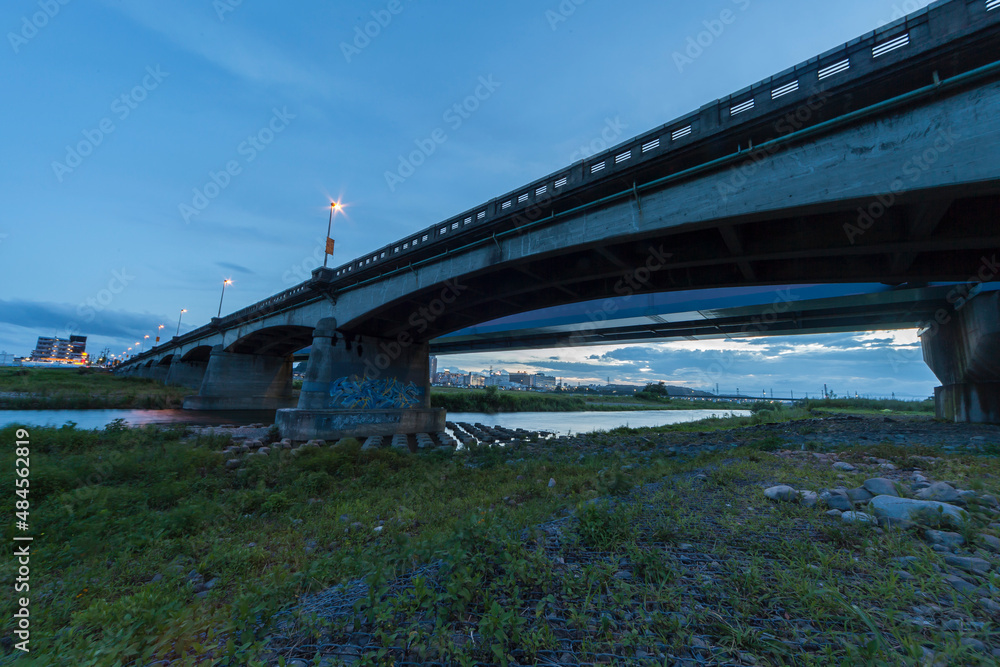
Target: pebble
<point>959,584</point>
<point>968,563</point>
<point>857,517</point>
<point>841,465</point>
<point>552,482</point>
<point>945,539</point>
<point>782,492</point>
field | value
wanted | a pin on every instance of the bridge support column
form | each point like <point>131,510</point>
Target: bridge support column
<point>362,388</point>
<point>964,354</point>
<point>187,374</point>
<point>158,373</point>
<point>243,382</point>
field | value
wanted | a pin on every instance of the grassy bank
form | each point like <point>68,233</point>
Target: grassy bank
<point>130,526</point>
<point>69,389</point>
<point>491,401</point>
<point>865,406</point>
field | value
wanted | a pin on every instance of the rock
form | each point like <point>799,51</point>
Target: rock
<point>944,539</point>
<point>836,500</point>
<point>905,561</point>
<point>974,644</point>
<point>903,575</point>
<point>860,495</point>
<point>857,517</point>
<point>990,543</point>
<point>552,482</point>
<point>902,512</point>
<point>968,563</point>
<point>886,466</point>
<point>959,584</point>
<point>834,513</point>
<point>841,465</point>
<point>939,491</point>
<point>264,451</point>
<point>210,584</point>
<point>808,498</point>
<point>232,464</point>
<point>782,492</point>
<point>989,605</point>
<point>156,577</point>
<point>880,486</point>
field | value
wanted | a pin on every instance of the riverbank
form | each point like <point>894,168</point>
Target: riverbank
<point>627,547</point>
<point>83,389</point>
<point>490,400</point>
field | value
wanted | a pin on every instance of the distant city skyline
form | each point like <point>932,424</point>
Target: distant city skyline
<point>173,147</point>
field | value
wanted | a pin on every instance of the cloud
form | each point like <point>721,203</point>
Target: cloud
<point>56,319</point>
<point>235,267</point>
<point>224,45</point>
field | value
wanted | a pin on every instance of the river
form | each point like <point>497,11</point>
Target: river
<point>554,422</point>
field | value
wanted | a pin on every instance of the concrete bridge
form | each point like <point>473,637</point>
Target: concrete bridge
<point>875,162</point>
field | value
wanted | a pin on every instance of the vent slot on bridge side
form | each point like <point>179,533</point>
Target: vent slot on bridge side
<point>835,68</point>
<point>787,89</point>
<point>891,45</point>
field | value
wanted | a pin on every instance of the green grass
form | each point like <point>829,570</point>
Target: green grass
<point>111,509</point>
<point>83,388</point>
<point>491,401</point>
<point>865,406</point>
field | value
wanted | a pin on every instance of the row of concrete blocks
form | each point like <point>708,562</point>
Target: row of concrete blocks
<point>420,441</point>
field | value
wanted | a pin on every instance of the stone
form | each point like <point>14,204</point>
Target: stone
<point>989,605</point>
<point>232,464</point>
<point>990,543</point>
<point>939,491</point>
<point>841,465</point>
<point>959,584</point>
<point>945,539</point>
<point>837,500</point>
<point>857,517</point>
<point>834,513</point>
<point>782,492</point>
<point>894,511</point>
<point>552,482</point>
<point>860,495</point>
<point>264,451</point>
<point>974,644</point>
<point>880,486</point>
<point>903,575</point>
<point>968,563</point>
<point>886,466</point>
<point>808,498</point>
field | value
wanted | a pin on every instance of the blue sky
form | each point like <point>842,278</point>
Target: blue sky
<point>152,150</point>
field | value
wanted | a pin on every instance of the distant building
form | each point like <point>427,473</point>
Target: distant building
<point>533,380</point>
<point>499,378</point>
<point>434,368</point>
<point>57,350</point>
<point>6,359</point>
<point>477,380</point>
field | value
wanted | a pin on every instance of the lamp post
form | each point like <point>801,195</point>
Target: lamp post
<point>224,283</point>
<point>329,228</point>
<point>158,330</point>
<point>183,310</point>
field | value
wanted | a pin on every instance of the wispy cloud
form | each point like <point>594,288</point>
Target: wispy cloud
<point>225,45</point>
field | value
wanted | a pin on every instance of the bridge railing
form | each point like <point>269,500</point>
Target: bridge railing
<point>878,51</point>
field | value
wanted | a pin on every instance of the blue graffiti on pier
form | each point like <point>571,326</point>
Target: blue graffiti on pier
<point>365,394</point>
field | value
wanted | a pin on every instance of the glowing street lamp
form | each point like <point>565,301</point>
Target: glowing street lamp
<point>183,310</point>
<point>329,228</point>
<point>224,283</point>
<point>158,330</point>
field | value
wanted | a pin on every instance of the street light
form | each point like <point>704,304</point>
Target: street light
<point>183,310</point>
<point>224,283</point>
<point>329,228</point>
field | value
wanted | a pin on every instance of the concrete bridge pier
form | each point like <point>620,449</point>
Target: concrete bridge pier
<point>187,373</point>
<point>244,382</point>
<point>360,387</point>
<point>964,353</point>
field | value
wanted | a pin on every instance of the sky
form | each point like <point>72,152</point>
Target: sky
<point>153,150</point>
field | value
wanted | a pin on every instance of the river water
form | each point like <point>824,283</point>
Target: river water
<point>561,423</point>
